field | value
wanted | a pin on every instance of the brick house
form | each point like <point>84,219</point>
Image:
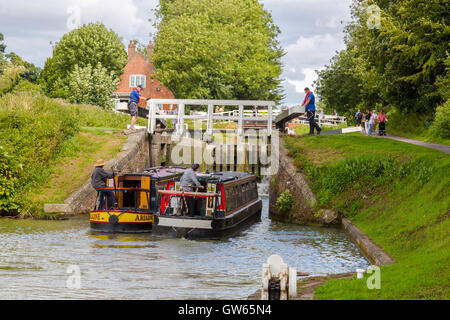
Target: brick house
<point>138,71</point>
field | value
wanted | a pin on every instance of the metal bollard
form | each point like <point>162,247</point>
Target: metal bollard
<point>360,273</point>
<point>279,281</point>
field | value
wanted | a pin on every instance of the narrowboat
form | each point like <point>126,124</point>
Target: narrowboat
<point>227,203</point>
<point>136,200</point>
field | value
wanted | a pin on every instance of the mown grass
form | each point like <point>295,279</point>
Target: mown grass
<point>304,129</point>
<point>399,195</point>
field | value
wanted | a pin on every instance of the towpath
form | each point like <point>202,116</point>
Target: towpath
<point>441,147</point>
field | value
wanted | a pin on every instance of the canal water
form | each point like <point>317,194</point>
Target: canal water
<point>38,260</point>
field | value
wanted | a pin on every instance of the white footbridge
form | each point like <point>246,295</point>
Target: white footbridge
<point>265,116</point>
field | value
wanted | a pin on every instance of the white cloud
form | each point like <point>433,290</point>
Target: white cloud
<point>313,51</point>
<point>311,30</point>
<point>29,26</point>
<point>307,82</point>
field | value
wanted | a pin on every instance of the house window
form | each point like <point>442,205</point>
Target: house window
<point>137,79</point>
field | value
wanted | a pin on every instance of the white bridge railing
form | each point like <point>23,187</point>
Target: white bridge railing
<point>329,120</point>
<point>240,115</point>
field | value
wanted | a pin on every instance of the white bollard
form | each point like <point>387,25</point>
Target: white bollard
<point>276,270</point>
<point>360,273</point>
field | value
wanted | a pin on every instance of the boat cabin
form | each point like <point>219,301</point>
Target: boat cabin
<point>227,201</point>
<point>223,193</point>
<point>136,200</point>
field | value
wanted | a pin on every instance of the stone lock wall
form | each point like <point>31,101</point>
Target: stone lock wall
<point>287,178</point>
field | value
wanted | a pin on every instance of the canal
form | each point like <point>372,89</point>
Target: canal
<point>35,258</point>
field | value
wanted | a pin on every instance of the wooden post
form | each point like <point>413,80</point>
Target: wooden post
<point>151,118</point>
<point>241,120</point>
<point>180,128</point>
<point>269,121</point>
<point>210,122</point>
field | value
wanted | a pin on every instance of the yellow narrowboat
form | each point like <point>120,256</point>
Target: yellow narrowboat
<point>136,200</point>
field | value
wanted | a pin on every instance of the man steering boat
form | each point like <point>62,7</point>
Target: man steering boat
<point>188,183</point>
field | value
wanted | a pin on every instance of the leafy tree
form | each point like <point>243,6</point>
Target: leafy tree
<point>10,77</point>
<point>398,64</point>
<point>2,45</point>
<point>2,51</point>
<point>48,80</point>
<point>31,72</point>
<point>218,50</point>
<point>142,49</point>
<point>443,81</point>
<point>339,84</point>
<point>92,85</point>
<point>89,45</point>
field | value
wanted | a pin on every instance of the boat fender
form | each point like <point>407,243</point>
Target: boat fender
<point>113,219</point>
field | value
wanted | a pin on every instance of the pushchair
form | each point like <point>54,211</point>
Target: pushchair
<point>382,129</point>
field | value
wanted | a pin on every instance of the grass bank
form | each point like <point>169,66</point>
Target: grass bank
<point>399,195</point>
<point>39,136</point>
<point>73,167</point>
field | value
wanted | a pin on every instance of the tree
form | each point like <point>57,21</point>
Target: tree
<point>13,69</point>
<point>2,51</point>
<point>398,63</point>
<point>31,72</point>
<point>10,77</point>
<point>407,51</point>
<point>2,45</point>
<point>339,84</point>
<point>218,50</point>
<point>142,49</point>
<point>48,79</point>
<point>92,85</point>
<point>89,45</point>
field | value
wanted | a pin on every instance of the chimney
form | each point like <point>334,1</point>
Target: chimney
<point>150,48</point>
<point>131,50</point>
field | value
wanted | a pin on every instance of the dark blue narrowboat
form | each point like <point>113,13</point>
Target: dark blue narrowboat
<point>227,203</point>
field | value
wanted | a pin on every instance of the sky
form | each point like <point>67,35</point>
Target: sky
<point>311,30</point>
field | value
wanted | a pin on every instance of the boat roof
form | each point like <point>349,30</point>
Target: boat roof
<point>224,176</point>
<point>159,172</point>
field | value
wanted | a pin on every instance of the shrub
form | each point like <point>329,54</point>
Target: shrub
<point>9,172</point>
<point>10,77</point>
<point>441,124</point>
<point>285,202</point>
<point>92,85</point>
<point>27,86</point>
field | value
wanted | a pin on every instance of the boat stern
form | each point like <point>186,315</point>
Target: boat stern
<point>113,221</point>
